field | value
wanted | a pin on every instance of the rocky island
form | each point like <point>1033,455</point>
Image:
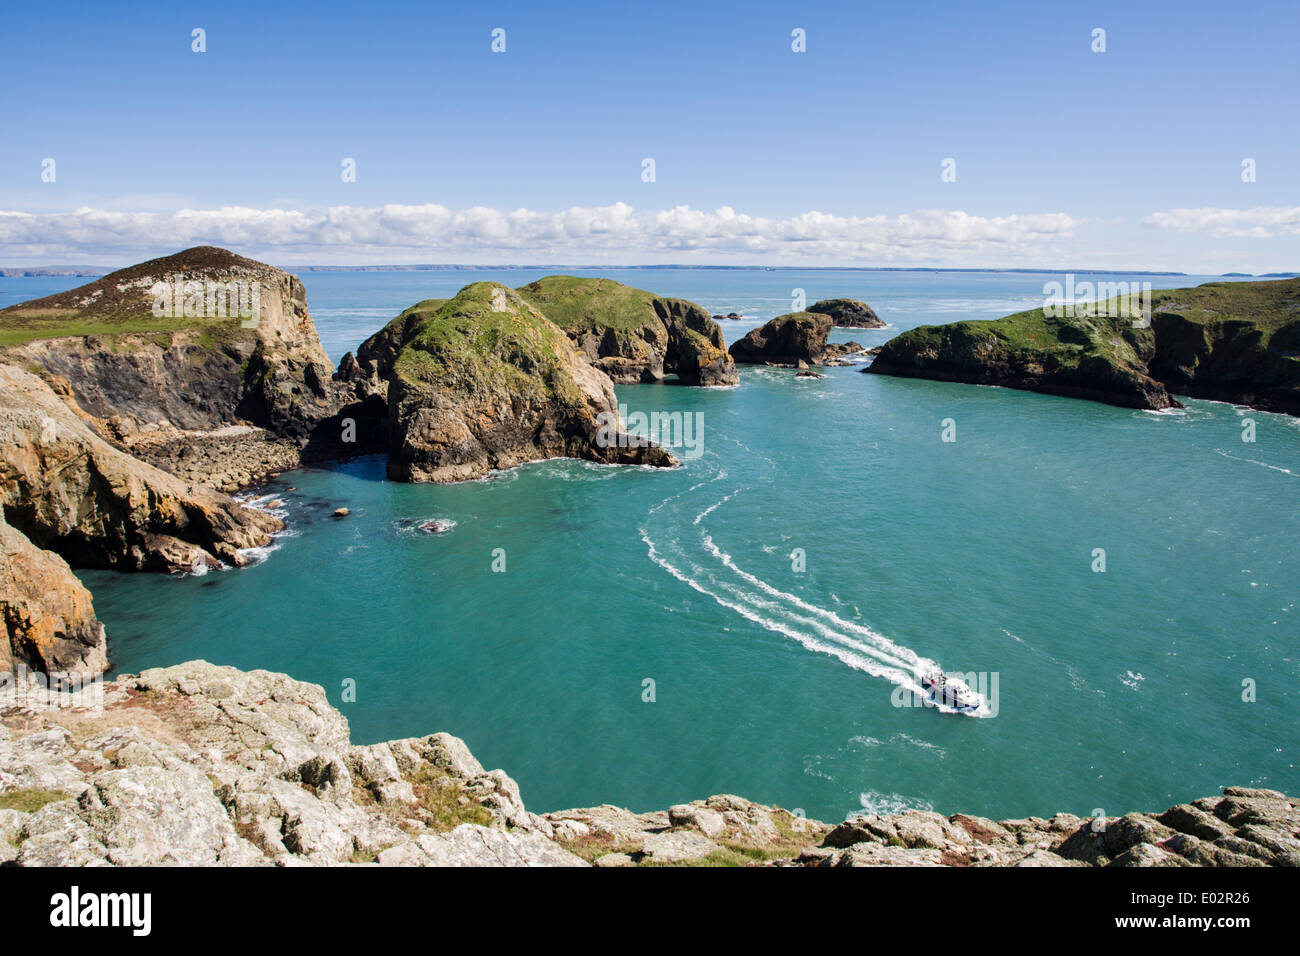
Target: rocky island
<point>200,765</point>
<point>796,339</point>
<point>486,381</point>
<point>1224,341</point>
<point>848,313</point>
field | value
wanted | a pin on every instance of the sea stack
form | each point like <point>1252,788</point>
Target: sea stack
<point>486,381</point>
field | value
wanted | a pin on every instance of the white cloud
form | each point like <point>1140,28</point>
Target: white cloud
<point>1261,222</point>
<point>434,233</point>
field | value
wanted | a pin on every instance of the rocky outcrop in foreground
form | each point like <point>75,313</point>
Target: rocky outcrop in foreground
<point>848,313</point>
<point>796,339</point>
<point>485,381</point>
<point>203,765</point>
<point>1225,341</point>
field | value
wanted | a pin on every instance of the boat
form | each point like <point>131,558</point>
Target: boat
<point>945,691</point>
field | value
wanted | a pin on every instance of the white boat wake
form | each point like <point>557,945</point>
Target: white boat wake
<point>705,567</point>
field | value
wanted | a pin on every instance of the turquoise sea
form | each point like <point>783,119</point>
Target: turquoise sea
<point>1116,690</point>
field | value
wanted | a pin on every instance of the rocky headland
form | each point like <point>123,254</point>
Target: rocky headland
<point>202,765</point>
<point>796,339</point>
<point>1234,342</point>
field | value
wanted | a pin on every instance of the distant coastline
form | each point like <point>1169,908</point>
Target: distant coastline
<point>98,271</point>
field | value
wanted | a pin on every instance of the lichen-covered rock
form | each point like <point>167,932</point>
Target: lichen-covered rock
<point>203,765</point>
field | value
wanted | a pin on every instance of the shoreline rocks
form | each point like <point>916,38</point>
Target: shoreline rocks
<point>203,765</point>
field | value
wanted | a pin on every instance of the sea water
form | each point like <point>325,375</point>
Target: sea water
<point>751,622</point>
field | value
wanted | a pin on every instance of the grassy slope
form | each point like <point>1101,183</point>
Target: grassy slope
<point>465,344</point>
<point>101,308</point>
<point>578,304</point>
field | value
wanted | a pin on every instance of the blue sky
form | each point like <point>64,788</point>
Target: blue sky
<point>1064,157</point>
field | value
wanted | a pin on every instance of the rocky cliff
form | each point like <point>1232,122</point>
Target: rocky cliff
<point>69,491</point>
<point>49,619</point>
<point>1227,341</point>
<point>633,335</point>
<point>486,381</point>
<point>180,353</point>
<point>203,765</point>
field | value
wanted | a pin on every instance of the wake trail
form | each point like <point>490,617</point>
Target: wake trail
<point>813,627</point>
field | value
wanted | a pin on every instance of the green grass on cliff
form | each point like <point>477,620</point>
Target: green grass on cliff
<point>1217,306</point>
<point>120,304</point>
<point>469,345</point>
<point>19,326</point>
<point>29,801</point>
<point>577,304</point>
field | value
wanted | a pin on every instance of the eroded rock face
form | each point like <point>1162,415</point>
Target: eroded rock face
<point>49,620</point>
<point>796,339</point>
<point>633,335</point>
<point>848,313</point>
<point>485,381</point>
<point>70,491</point>
<point>191,371</point>
<point>200,765</point>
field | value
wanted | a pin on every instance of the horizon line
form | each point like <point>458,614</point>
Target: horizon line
<point>75,271</point>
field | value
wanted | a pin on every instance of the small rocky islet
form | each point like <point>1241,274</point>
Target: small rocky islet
<point>127,432</point>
